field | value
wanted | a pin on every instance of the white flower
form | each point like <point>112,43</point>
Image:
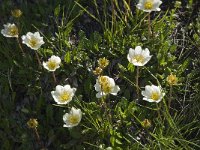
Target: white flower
<point>149,5</point>
<point>53,63</point>
<point>105,85</point>
<point>63,94</point>
<point>138,57</point>
<point>72,118</point>
<point>10,30</point>
<point>153,93</point>
<point>33,40</point>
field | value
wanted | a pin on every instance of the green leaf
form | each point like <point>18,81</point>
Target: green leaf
<point>67,57</point>
<point>131,67</point>
<point>57,11</point>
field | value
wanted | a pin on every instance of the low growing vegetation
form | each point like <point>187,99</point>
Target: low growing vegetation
<point>100,75</point>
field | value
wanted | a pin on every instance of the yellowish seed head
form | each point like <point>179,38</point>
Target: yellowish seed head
<point>172,79</point>
<point>146,123</point>
<point>16,13</point>
<point>103,80</point>
<point>103,62</point>
<point>32,123</point>
<point>106,88</point>
<point>97,71</point>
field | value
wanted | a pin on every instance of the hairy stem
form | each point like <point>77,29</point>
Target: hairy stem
<point>20,46</point>
<point>38,138</point>
<point>137,82</point>
<point>149,26</point>
<point>54,77</point>
<point>170,96</point>
<point>38,59</point>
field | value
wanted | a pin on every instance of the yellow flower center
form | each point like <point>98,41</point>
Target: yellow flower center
<point>106,88</point>
<point>33,42</point>
<point>13,31</point>
<point>155,96</point>
<point>73,119</point>
<point>139,58</point>
<point>148,5</point>
<point>51,65</point>
<point>64,96</point>
<point>103,80</point>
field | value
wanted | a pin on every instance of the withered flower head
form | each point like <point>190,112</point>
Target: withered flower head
<point>103,62</point>
<point>146,123</point>
<point>97,71</point>
<point>16,13</point>
<point>172,79</point>
<point>32,123</point>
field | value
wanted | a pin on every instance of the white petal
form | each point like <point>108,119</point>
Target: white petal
<point>149,100</point>
<point>140,6</point>
<point>155,88</point>
<point>138,64</point>
<point>67,87</point>
<point>147,60</point>
<point>97,87</point>
<point>73,90</point>
<point>29,34</point>
<point>115,90</point>
<point>129,58</point>
<point>59,89</point>
<point>111,82</point>
<point>55,96</point>
<point>146,52</point>
<point>37,34</point>
<point>45,65</point>
<point>144,93</point>
<point>65,117</point>
<point>148,90</point>
<point>131,52</point>
<point>99,94</point>
<point>138,50</point>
